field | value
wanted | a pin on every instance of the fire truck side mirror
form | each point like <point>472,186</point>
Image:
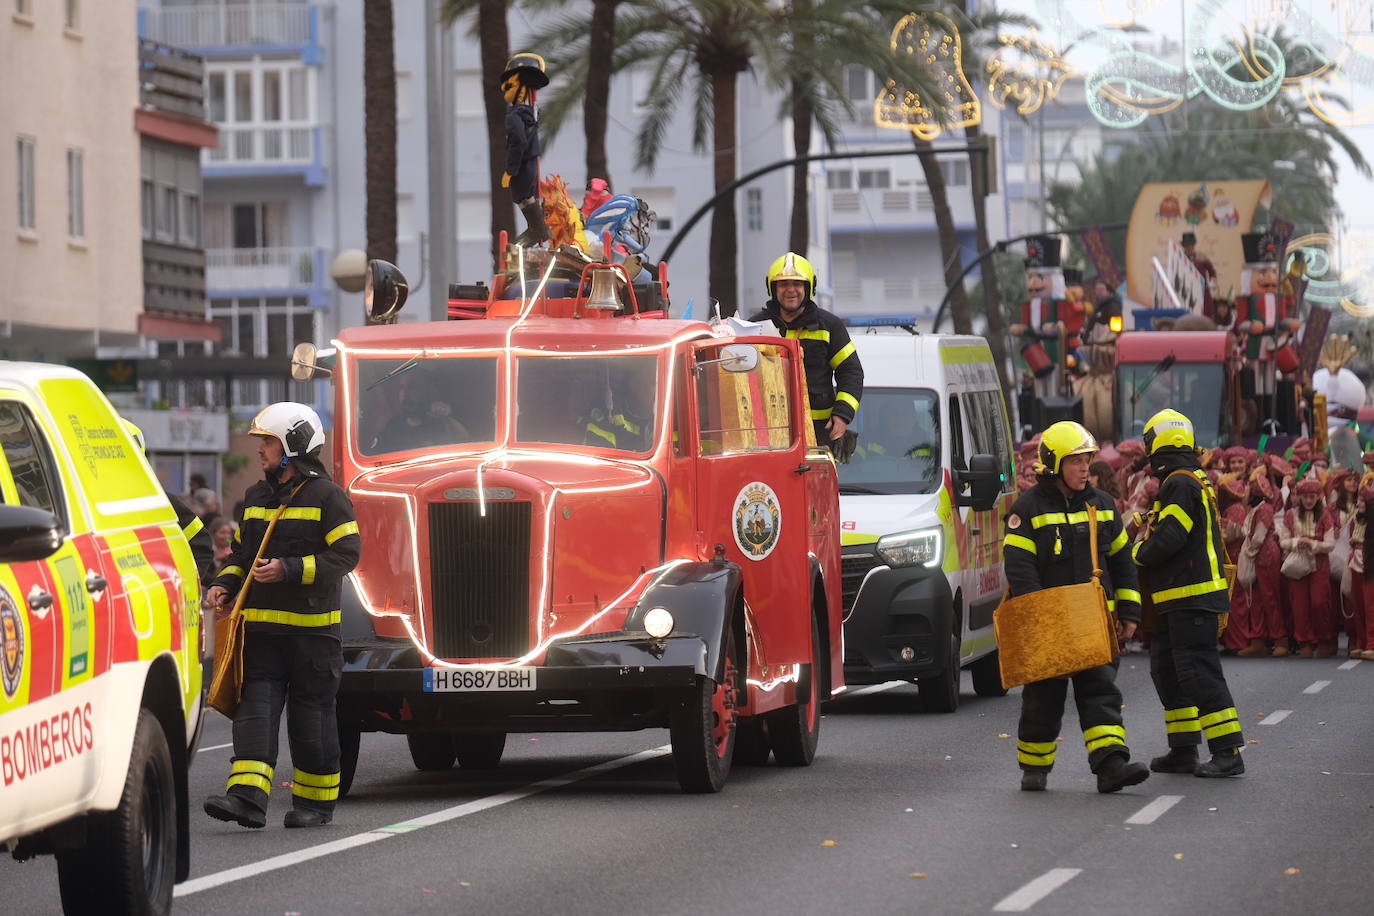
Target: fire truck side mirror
<point>739,358</point>
<point>384,292</point>
<point>983,481</point>
<point>307,362</point>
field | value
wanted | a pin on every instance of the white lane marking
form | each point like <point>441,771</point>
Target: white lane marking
<point>1029,895</point>
<point>286,860</point>
<point>1275,717</point>
<point>1152,812</point>
<point>214,747</point>
<point>1317,687</point>
<point>1346,666</point>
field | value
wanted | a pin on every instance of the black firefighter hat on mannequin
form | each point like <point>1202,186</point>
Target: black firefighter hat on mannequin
<point>1042,251</point>
<point>1260,247</point>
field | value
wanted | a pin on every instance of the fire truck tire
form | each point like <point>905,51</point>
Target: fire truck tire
<point>480,752</point>
<point>129,862</point>
<point>752,744</point>
<point>350,738</point>
<point>796,730</point>
<point>432,751</point>
<point>703,727</point>
<point>940,693</point>
<point>987,676</point>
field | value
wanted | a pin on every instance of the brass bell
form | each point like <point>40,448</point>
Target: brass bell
<point>604,295</point>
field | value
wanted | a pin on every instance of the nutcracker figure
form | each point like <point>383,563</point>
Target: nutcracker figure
<point>1042,314</point>
<point>1270,349</point>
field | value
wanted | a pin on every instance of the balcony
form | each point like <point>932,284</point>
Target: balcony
<point>894,209</point>
<point>259,149</point>
<point>264,271</point>
<point>232,29</point>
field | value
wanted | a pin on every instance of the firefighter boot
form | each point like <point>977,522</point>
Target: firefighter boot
<point>235,809</point>
<point>1178,760</point>
<point>307,817</point>
<point>1254,650</point>
<point>1223,763</point>
<point>1280,647</point>
<point>1034,780</point>
<point>1116,774</point>
<point>536,230</point>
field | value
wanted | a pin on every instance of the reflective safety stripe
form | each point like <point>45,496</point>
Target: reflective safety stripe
<point>848,399</point>
<point>291,618</point>
<point>1118,544</point>
<point>822,414</point>
<point>1111,605</point>
<point>315,786</point>
<point>1128,594</point>
<point>1049,518</point>
<point>1188,591</point>
<point>342,531</point>
<point>1217,731</point>
<point>252,766</point>
<point>1176,513</point>
<point>619,420</point>
<point>253,780</point>
<point>1036,753</point>
<point>844,353</point>
<point>231,571</point>
<point>314,794</point>
<point>1017,540</point>
<point>1222,722</point>
<point>238,534</point>
<point>606,434</point>
<point>1100,736</point>
<point>1181,720</point>
<point>308,570</point>
<point>807,335</point>
<point>1185,725</point>
<point>301,513</point>
<point>193,528</point>
<point>1070,518</point>
<point>1182,712</point>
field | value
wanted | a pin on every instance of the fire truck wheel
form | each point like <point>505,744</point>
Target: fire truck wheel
<point>703,730</point>
<point>987,676</point>
<point>480,752</point>
<point>432,751</point>
<point>129,862</point>
<point>350,737</point>
<point>941,692</point>
<point>796,730</point>
<point>752,744</point>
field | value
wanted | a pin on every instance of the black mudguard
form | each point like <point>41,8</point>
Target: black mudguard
<point>701,597</point>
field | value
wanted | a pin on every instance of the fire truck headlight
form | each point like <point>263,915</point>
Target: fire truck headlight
<point>913,548</point>
<point>658,623</point>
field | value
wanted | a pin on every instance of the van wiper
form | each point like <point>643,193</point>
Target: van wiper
<point>867,491</point>
<point>403,367</point>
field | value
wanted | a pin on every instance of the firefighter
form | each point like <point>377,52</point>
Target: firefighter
<point>834,376</point>
<point>1182,557</point>
<point>1047,545</point>
<point>292,652</point>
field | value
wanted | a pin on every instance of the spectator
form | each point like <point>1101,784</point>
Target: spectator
<point>206,504</point>
<point>1101,475</point>
<point>222,537</point>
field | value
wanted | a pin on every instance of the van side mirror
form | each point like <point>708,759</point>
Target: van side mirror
<point>983,482</point>
<point>28,534</point>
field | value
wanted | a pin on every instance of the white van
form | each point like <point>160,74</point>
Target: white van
<point>921,506</point>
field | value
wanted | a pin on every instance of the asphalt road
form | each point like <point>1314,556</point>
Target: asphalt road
<point>902,812</point>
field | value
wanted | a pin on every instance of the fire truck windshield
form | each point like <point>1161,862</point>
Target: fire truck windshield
<point>899,443</point>
<point>431,402</point>
<point>1195,390</point>
<point>597,401</point>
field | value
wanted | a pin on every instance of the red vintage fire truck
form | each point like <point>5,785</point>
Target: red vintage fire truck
<point>580,515</point>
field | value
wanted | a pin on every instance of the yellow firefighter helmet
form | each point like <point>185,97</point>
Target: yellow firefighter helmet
<point>792,266</point>
<point>1061,440</point>
<point>1169,428</point>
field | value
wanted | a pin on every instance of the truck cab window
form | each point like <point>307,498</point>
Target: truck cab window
<point>956,434</point>
<point>743,411</point>
<point>29,459</point>
<point>431,402</point>
<point>596,401</point>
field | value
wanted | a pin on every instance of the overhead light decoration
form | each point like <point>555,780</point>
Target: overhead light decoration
<point>1328,287</point>
<point>1122,14</point>
<point>934,40</point>
<point>1026,70</point>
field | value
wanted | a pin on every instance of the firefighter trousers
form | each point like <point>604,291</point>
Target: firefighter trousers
<point>1099,715</point>
<point>302,673</point>
<point>1186,668</point>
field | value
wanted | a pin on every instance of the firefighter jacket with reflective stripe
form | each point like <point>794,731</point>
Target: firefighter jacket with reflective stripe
<point>1047,545</point>
<point>834,376</point>
<point>1182,556</point>
<point>202,548</point>
<point>317,541</point>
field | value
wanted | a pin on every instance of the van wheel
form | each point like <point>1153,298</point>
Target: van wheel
<point>129,862</point>
<point>941,692</point>
<point>350,738</point>
<point>432,751</point>
<point>480,752</point>
<point>703,727</point>
<point>987,676</point>
<point>796,730</point>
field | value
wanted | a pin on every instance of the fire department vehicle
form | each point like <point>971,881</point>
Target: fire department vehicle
<point>580,515</point>
<point>100,675</point>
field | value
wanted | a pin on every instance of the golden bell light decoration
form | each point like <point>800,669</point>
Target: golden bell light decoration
<point>604,295</point>
<point>934,40</point>
<point>1027,71</point>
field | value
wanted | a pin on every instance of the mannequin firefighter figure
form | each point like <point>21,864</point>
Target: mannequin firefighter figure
<point>524,75</point>
<point>1208,271</point>
<point>1042,314</point>
<point>1268,317</point>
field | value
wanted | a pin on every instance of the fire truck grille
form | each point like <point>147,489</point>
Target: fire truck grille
<point>853,568</point>
<point>479,579</point>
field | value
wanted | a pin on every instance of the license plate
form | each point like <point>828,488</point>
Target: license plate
<point>479,680</point>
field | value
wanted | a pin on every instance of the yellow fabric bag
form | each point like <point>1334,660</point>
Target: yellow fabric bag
<point>1057,631</point>
<point>226,683</point>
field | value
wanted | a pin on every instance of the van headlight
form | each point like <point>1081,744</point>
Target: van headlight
<point>913,548</point>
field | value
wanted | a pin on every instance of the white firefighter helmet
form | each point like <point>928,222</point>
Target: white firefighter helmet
<point>296,426</point>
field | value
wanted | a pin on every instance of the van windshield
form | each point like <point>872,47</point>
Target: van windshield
<point>899,443</point>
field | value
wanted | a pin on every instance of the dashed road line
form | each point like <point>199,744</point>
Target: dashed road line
<point>1032,893</point>
<point>1275,717</point>
<point>253,869</point>
<point>1154,810</point>
<point>1346,666</point>
<point>1317,687</point>
<point>214,747</point>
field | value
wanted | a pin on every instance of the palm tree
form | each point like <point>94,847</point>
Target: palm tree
<point>379,127</point>
<point>493,38</point>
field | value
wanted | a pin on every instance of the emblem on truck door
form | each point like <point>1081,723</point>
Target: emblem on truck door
<point>12,641</point>
<point>758,520</point>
